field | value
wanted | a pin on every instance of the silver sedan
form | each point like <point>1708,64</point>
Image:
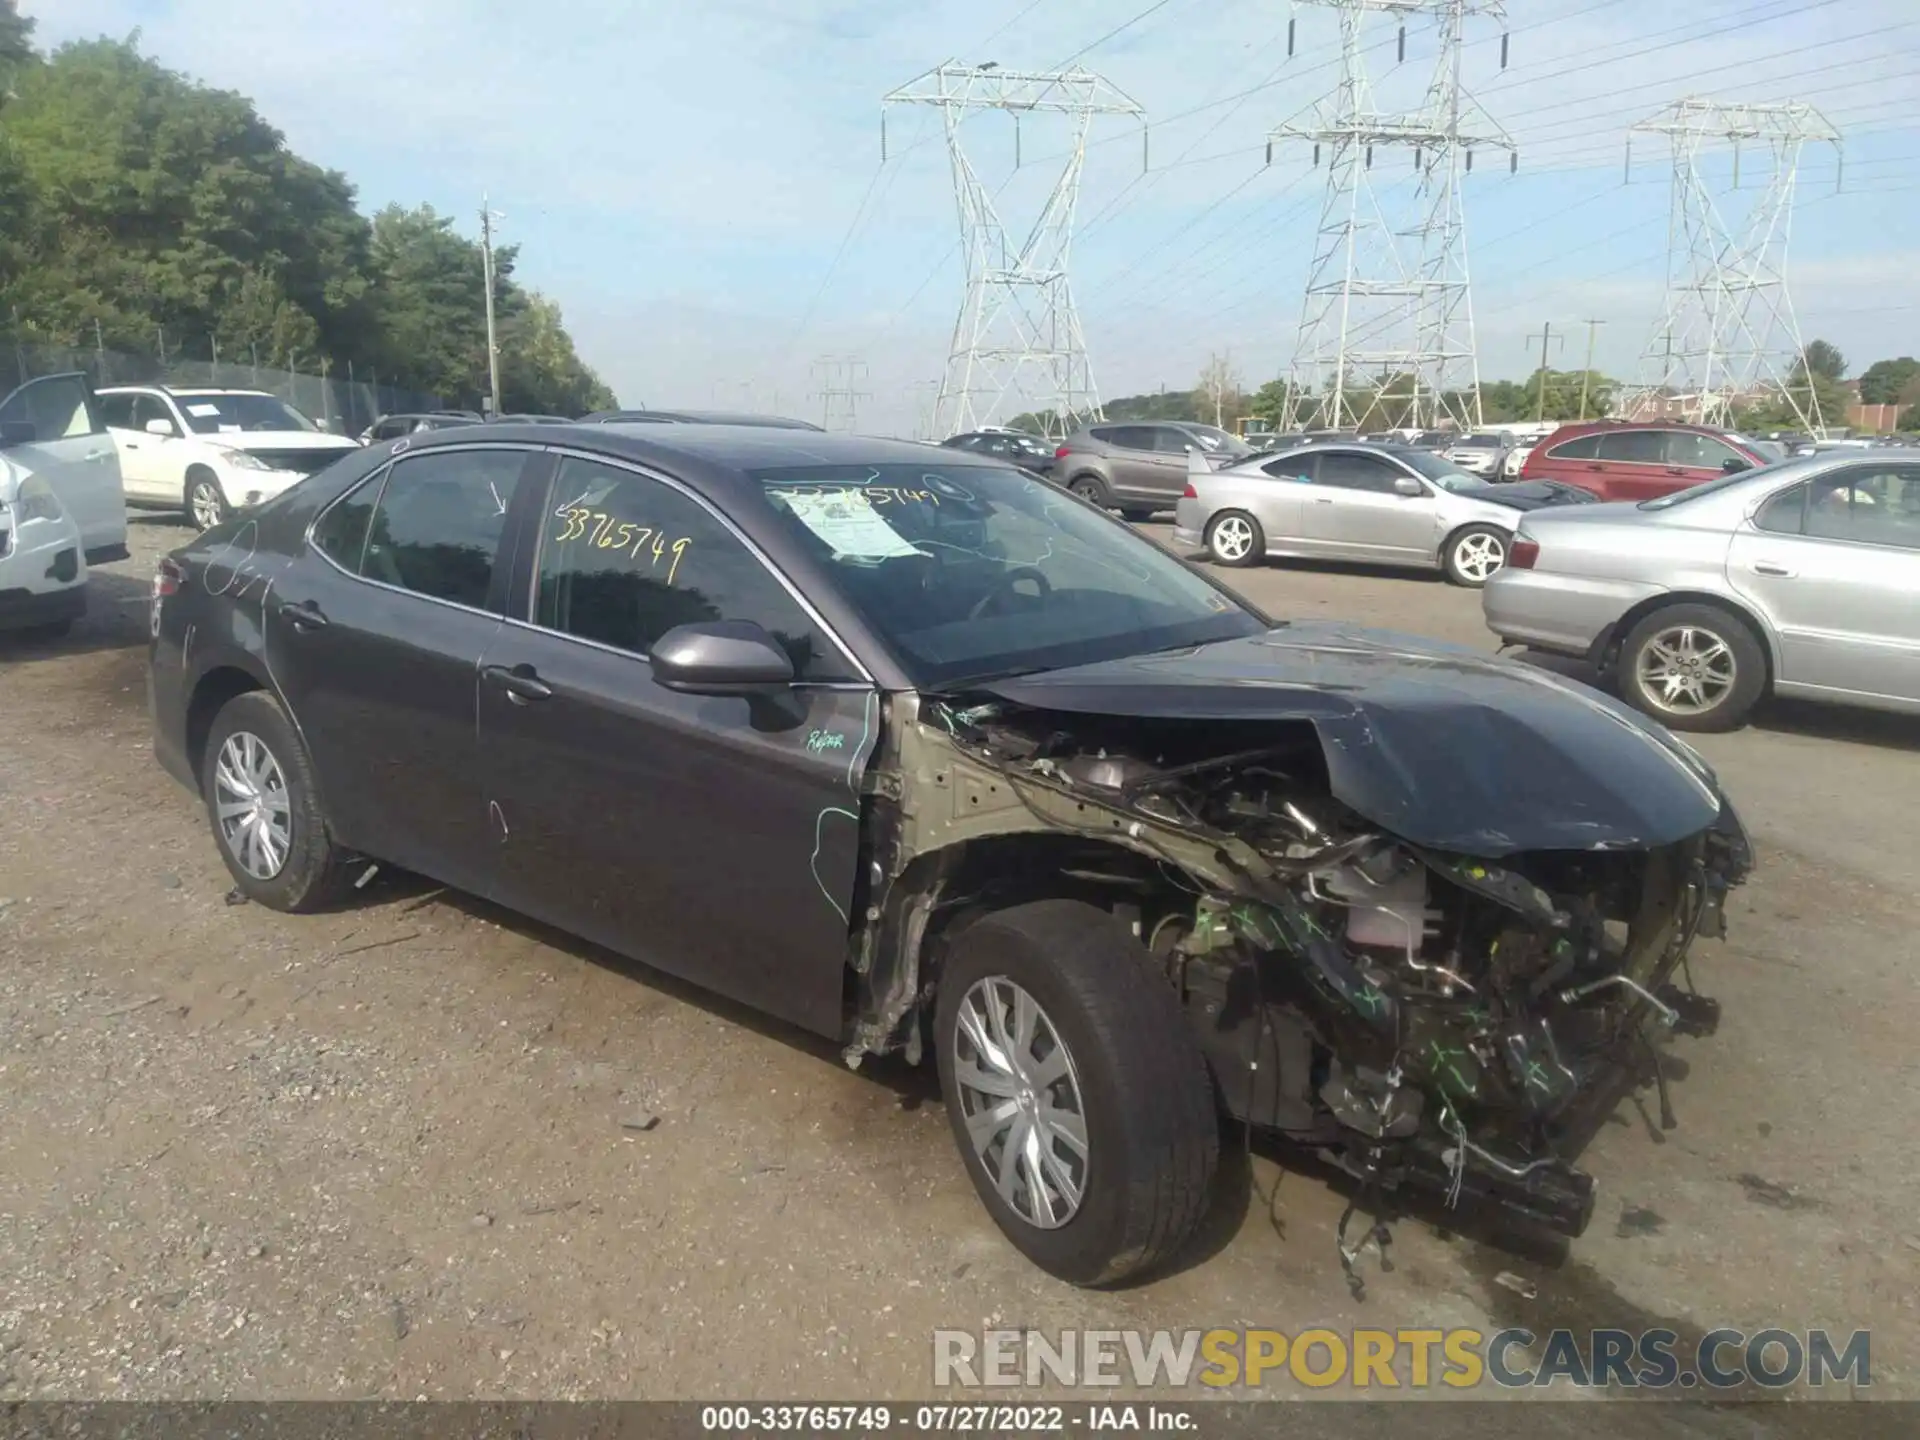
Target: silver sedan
<point>1385,504</point>
<point>1802,578</point>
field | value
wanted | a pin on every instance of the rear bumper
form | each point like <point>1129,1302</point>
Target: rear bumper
<point>1566,614</point>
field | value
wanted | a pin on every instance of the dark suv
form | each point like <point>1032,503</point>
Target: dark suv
<point>1621,460</point>
<point>1138,468</point>
<point>1015,448</point>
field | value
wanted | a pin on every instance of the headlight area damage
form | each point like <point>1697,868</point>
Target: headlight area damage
<point>1448,1022</point>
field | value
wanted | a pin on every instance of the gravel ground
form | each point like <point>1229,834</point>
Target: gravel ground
<point>404,1149</point>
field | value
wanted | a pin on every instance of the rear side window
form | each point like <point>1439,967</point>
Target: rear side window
<point>1634,447</point>
<point>1581,447</point>
<point>437,528</point>
<point>341,533</point>
<point>1132,437</point>
<point>1781,515</point>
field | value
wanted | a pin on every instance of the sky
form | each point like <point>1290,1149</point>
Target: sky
<point>701,186</point>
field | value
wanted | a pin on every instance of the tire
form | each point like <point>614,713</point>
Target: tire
<point>1145,1098</point>
<point>308,872</point>
<point>1137,514</point>
<point>205,502</point>
<point>1234,538</point>
<point>1092,489</point>
<point>1472,553</point>
<point>1731,672</point>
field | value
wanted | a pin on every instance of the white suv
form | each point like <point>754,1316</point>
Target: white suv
<point>211,452</point>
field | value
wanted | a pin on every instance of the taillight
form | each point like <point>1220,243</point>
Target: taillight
<point>1522,553</point>
<point>168,576</point>
<point>1062,452</point>
<point>1189,493</point>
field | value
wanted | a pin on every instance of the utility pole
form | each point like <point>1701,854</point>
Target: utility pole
<point>487,218</point>
<point>100,352</point>
<point>1544,337</point>
<point>1017,343</point>
<point>1586,375</point>
<point>1387,286</point>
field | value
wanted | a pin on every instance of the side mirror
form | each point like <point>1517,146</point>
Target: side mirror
<point>16,432</point>
<point>1734,466</point>
<point>159,427</point>
<point>720,657</point>
<point>1408,486</point>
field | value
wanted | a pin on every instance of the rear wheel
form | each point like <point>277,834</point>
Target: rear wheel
<point>1234,538</point>
<point>264,806</point>
<point>1473,554</point>
<point>1078,1097</point>
<point>206,502</point>
<point>1692,667</point>
<point>1093,490</point>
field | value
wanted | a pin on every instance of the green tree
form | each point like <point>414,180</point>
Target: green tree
<point>1883,382</point>
<point>539,370</point>
<point>1823,360</point>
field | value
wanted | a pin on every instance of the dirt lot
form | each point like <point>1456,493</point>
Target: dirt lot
<point>389,1151</point>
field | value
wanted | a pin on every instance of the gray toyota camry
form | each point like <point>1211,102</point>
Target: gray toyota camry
<point>914,751</point>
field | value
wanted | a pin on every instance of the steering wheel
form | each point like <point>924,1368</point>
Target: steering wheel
<point>1007,581</point>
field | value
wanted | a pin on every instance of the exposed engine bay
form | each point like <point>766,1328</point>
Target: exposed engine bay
<point>1458,1025</point>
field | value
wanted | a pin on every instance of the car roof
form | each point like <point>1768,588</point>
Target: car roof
<point>697,417</point>
<point>1321,447</point>
<point>156,386</point>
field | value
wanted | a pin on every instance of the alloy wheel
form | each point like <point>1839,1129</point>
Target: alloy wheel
<point>251,805</point>
<point>1232,538</point>
<point>1476,557</point>
<point>1020,1096</point>
<point>1686,670</point>
<point>207,505</point>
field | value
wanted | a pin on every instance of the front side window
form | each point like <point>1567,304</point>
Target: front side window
<point>148,408</point>
<point>1701,452</point>
<point>1634,447</point>
<point>1343,470</point>
<point>437,528</point>
<point>969,572</point>
<point>212,412</point>
<point>625,558</point>
<point>116,411</point>
<point>1290,467</point>
<point>59,407</point>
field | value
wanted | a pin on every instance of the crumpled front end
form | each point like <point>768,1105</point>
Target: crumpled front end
<point>1427,1019</point>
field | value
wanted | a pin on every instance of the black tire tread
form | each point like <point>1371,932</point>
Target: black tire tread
<point>1164,1082</point>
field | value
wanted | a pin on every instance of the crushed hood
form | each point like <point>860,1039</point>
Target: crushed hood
<point>1437,744</point>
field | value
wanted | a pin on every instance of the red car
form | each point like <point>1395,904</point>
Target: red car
<point>1619,460</point>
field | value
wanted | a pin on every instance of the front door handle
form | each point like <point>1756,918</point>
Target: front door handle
<point>1768,567</point>
<point>1323,499</point>
<point>303,615</point>
<point>521,682</point>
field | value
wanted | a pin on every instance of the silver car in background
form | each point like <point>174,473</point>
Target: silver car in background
<point>1383,504</point>
<point>1801,578</point>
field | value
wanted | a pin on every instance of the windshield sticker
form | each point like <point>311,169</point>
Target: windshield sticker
<point>847,521</point>
<point>203,412</point>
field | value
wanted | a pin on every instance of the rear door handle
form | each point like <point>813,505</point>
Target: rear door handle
<point>303,615</point>
<point>1767,567</point>
<point>521,682</point>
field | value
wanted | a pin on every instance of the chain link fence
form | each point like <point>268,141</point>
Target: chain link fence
<point>346,404</point>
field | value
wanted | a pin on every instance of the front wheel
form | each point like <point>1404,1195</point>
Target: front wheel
<point>206,501</point>
<point>1692,667</point>
<point>264,805</point>
<point>1078,1096</point>
<point>1473,554</point>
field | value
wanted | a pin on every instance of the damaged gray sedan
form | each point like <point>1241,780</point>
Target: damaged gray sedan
<point>920,753</point>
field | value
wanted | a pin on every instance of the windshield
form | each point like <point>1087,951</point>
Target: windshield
<point>210,414</point>
<point>1727,482</point>
<point>1443,473</point>
<point>974,572</point>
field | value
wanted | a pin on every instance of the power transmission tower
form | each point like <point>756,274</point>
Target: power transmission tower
<point>835,378</point>
<point>1728,328</point>
<point>1017,343</point>
<point>1387,291</point>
